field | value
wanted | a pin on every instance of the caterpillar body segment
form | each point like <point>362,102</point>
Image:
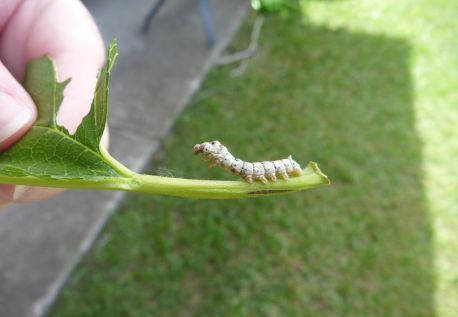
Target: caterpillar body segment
<point>218,155</point>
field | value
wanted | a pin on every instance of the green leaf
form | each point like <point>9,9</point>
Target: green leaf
<point>46,92</point>
<point>48,155</point>
<point>91,129</point>
<point>48,151</point>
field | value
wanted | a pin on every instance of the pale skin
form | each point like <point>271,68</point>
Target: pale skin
<point>65,30</point>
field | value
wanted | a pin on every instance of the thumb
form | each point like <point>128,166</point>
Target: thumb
<point>17,110</point>
<point>17,114</point>
<point>65,31</point>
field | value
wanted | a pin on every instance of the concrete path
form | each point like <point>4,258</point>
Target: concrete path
<point>40,243</point>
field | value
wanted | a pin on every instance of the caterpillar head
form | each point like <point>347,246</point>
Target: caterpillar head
<point>212,147</point>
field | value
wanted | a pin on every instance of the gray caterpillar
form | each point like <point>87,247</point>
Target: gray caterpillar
<point>218,155</point>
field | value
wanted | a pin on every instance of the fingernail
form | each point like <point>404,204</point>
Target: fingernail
<point>13,117</point>
<point>19,191</point>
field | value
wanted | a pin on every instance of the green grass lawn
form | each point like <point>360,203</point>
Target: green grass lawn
<point>366,88</point>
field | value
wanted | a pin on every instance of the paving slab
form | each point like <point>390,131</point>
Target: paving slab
<point>40,243</point>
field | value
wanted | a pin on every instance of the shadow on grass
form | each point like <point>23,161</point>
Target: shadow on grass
<point>361,247</point>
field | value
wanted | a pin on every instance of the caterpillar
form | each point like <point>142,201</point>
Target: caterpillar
<point>219,155</point>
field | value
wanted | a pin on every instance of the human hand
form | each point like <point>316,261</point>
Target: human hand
<point>65,30</point>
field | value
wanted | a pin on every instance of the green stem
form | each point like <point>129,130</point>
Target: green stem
<point>312,177</point>
<point>121,169</point>
<point>180,187</point>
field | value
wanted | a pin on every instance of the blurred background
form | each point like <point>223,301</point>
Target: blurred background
<point>368,89</point>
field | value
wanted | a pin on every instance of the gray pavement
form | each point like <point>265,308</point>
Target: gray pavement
<point>156,75</point>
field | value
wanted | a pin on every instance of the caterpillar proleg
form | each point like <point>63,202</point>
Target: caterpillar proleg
<point>219,155</point>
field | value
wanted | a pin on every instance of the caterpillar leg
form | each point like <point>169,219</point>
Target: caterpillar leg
<point>262,178</point>
<point>212,164</point>
<point>297,171</point>
<point>272,177</point>
<point>248,178</point>
<point>283,175</point>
